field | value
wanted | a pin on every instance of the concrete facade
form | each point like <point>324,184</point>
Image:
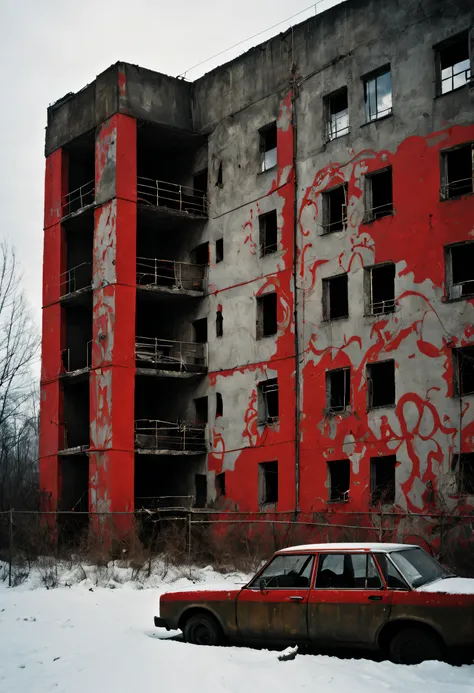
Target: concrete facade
<point>149,127</point>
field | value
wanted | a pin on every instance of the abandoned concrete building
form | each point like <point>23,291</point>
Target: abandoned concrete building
<point>259,286</point>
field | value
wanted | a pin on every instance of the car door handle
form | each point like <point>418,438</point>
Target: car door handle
<point>375,598</point>
<point>296,598</point>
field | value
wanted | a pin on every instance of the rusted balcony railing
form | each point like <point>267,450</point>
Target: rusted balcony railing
<point>167,503</point>
<point>171,355</point>
<point>174,275</point>
<point>454,188</point>
<point>161,193</point>
<point>76,359</point>
<point>378,212</point>
<point>77,199</point>
<point>177,436</point>
<point>76,278</point>
<point>461,289</point>
<point>382,307</point>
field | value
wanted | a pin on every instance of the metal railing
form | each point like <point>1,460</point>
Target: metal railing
<point>461,289</point>
<point>378,212</point>
<point>381,307</point>
<point>169,273</point>
<point>170,354</point>
<point>76,362</point>
<point>176,436</point>
<point>464,186</point>
<point>161,193</point>
<point>78,277</point>
<point>165,502</point>
<point>83,196</point>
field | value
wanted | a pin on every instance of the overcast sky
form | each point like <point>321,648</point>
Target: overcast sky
<point>51,47</point>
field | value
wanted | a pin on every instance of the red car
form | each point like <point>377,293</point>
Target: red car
<point>393,597</point>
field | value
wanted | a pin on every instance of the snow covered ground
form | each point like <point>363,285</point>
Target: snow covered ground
<point>101,638</point>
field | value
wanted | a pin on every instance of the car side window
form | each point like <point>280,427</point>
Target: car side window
<point>347,571</point>
<point>392,577</point>
<point>286,572</point>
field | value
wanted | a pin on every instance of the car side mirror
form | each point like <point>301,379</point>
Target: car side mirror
<point>263,584</point>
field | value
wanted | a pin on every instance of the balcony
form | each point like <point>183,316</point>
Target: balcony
<point>78,199</point>
<point>153,437</point>
<point>77,360</point>
<point>174,357</point>
<point>171,276</point>
<point>176,198</point>
<point>76,280</point>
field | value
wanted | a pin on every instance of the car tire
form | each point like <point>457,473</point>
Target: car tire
<point>414,645</point>
<point>202,629</point>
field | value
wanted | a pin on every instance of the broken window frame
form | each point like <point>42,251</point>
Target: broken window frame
<point>372,213</point>
<point>268,155</point>
<point>264,388</point>
<point>380,307</point>
<point>460,290</point>
<point>267,492</point>
<point>377,495</point>
<point>441,81</point>
<point>459,355</point>
<point>219,179</point>
<point>332,408</point>
<point>370,391</point>
<point>335,495</point>
<point>219,324</point>
<point>327,297</point>
<point>334,128</point>
<point>219,405</point>
<point>220,485</point>
<point>219,250</point>
<point>375,77</point>
<point>262,301</point>
<point>446,189</point>
<point>328,225</point>
<point>263,219</point>
<point>464,487</point>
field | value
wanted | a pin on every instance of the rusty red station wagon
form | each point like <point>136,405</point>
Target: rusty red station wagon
<point>390,597</point>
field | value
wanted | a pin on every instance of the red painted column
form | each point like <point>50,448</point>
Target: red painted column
<point>54,256</point>
<point>113,348</point>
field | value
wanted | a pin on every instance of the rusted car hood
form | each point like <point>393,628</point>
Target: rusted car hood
<point>454,585</point>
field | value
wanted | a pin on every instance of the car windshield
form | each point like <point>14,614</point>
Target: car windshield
<point>417,567</point>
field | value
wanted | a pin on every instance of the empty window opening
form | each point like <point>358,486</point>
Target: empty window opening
<point>76,415</point>
<point>200,490</point>
<point>200,330</point>
<point>337,114</point>
<point>339,472</point>
<point>335,209</point>
<point>464,371</point>
<point>380,286</point>
<point>81,173</point>
<point>338,389</point>
<point>457,171</point>
<point>78,352</point>
<point>219,179</point>
<point>200,182</point>
<point>78,234</point>
<point>463,467</point>
<point>267,324</point>
<point>268,482</point>
<point>268,401</point>
<point>454,68</point>
<point>200,254</point>
<point>219,250</point>
<point>335,297</point>
<point>220,485</point>
<point>219,324</point>
<point>74,474</point>
<point>171,483</point>
<point>219,405</point>
<point>201,410</point>
<point>268,146</point>
<point>378,94</point>
<point>268,233</point>
<point>382,479</point>
<point>378,195</point>
<point>460,270</point>
<point>381,384</point>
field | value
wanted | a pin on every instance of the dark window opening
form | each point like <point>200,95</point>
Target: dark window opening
<point>335,297</point>
<point>457,171</point>
<point>78,352</point>
<point>285,572</point>
<point>72,526</point>
<point>219,405</point>
<point>381,384</point>
<point>219,324</point>
<point>463,467</point>
<point>338,389</point>
<point>337,110</point>
<point>76,415</point>
<point>219,175</point>
<point>268,401</point>
<point>79,235</point>
<point>200,485</point>
<point>268,233</point>
<point>460,270</point>
<point>382,479</point>
<point>267,324</point>
<point>200,330</point>
<point>381,289</point>
<point>81,174</point>
<point>268,146</point>
<point>339,480</point>
<point>335,209</point>
<point>379,195</point>
<point>219,250</point>
<point>200,254</point>
<point>464,371</point>
<point>201,409</point>
<point>268,482</point>
<point>453,64</point>
<point>378,94</point>
<point>200,191</point>
<point>220,485</point>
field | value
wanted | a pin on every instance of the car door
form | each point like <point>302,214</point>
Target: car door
<point>348,603</point>
<point>273,607</point>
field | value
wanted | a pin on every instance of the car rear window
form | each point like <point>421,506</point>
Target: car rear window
<point>347,571</point>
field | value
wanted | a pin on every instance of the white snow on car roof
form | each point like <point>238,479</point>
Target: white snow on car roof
<point>374,546</point>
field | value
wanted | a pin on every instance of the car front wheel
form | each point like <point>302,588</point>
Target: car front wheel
<point>414,645</point>
<point>202,629</point>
